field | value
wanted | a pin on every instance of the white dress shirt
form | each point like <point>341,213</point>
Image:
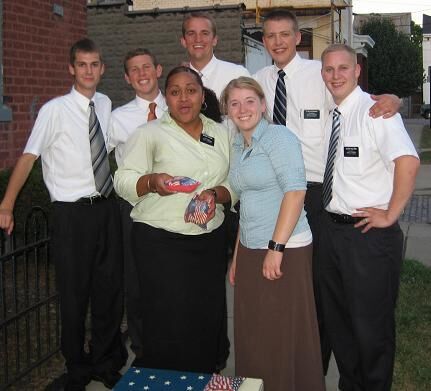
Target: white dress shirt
<point>308,105</point>
<point>364,165</point>
<point>60,136</point>
<point>217,73</point>
<point>127,118</point>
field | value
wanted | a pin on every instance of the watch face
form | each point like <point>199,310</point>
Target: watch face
<point>276,246</point>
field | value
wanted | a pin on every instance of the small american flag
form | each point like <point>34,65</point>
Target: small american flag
<point>197,212</point>
<point>224,383</point>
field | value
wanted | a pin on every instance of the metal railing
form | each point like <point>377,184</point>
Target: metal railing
<point>29,305</point>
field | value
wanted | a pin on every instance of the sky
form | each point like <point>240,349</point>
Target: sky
<point>416,7</point>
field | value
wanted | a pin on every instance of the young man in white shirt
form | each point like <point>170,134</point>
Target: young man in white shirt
<point>369,177</point>
<point>307,105</point>
<point>142,72</point>
<point>199,38</point>
<point>85,236</point>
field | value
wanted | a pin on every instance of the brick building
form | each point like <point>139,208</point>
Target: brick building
<point>35,39</point>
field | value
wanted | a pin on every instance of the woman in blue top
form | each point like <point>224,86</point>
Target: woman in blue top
<point>276,333</point>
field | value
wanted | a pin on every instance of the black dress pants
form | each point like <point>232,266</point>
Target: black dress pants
<point>360,280</point>
<point>86,247</point>
<point>314,208</point>
<point>131,282</point>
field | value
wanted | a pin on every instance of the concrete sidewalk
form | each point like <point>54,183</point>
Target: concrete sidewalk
<point>416,225</point>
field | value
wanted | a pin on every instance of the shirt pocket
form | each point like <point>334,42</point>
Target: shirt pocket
<point>312,125</point>
<point>352,155</point>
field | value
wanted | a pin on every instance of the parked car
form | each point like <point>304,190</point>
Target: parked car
<point>425,111</point>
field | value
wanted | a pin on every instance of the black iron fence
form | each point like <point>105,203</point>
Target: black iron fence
<point>29,306</point>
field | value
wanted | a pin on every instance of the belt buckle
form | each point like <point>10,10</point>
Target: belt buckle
<point>93,199</point>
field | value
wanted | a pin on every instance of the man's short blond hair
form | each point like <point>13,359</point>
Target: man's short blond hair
<point>339,47</point>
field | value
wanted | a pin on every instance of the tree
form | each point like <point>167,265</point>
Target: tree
<point>417,35</point>
<point>395,62</point>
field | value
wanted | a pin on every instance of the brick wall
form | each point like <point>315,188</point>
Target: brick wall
<point>118,31</point>
<point>35,56</point>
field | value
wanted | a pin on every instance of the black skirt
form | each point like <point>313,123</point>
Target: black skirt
<point>182,283</point>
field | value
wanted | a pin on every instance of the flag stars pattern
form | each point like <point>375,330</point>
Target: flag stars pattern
<point>162,380</point>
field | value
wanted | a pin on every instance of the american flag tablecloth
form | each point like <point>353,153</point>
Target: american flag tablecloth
<point>163,380</point>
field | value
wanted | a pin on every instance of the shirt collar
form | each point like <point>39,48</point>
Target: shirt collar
<point>207,69</point>
<point>291,67</point>
<point>350,101</point>
<point>161,102</point>
<point>83,101</point>
<point>143,103</point>
<point>256,136</point>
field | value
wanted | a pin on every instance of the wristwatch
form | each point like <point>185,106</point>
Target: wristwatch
<point>276,246</point>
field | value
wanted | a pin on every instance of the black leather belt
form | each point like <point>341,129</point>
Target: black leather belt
<point>91,200</point>
<point>313,184</point>
<point>344,219</point>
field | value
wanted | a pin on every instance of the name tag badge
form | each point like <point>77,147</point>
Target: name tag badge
<point>351,151</point>
<point>311,114</point>
<point>207,139</point>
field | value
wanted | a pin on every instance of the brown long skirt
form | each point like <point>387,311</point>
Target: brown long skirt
<point>276,332</point>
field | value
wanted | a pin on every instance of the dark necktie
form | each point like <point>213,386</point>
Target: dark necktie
<point>332,153</point>
<point>279,112</point>
<point>152,113</point>
<point>99,155</point>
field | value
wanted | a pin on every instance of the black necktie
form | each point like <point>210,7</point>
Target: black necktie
<point>279,112</point>
<point>99,155</point>
<point>332,153</point>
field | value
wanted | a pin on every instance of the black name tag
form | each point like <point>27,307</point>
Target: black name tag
<point>207,139</point>
<point>311,114</point>
<point>351,151</point>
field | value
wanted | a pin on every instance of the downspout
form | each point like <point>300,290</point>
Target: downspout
<point>5,112</point>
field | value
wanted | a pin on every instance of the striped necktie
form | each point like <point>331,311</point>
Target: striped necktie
<point>279,112</point>
<point>152,113</point>
<point>99,155</point>
<point>332,153</point>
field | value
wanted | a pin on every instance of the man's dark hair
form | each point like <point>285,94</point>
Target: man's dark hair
<point>138,52</point>
<point>281,14</point>
<point>85,45</point>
